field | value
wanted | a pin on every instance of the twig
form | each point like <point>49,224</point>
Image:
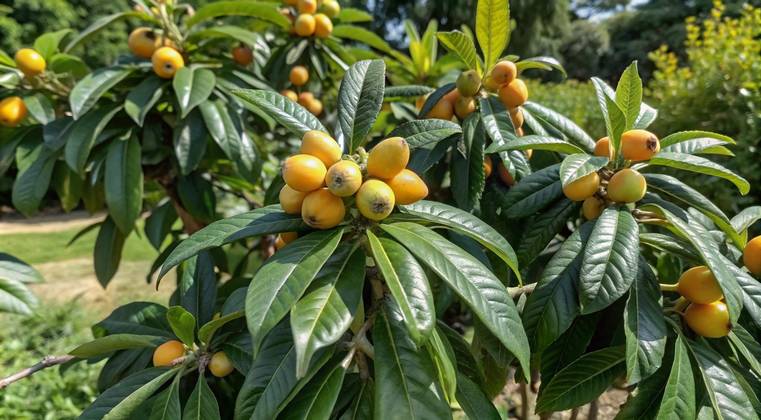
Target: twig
<point>524,401</point>
<point>594,408</point>
<point>668,287</point>
<point>46,362</point>
<point>517,291</point>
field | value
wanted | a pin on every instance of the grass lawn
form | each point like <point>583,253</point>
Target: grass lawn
<point>38,248</point>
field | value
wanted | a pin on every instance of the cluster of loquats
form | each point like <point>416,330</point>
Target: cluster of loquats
<point>320,182</point>
<point>147,43</point>
<point>299,77</point>
<point>605,187</point>
<point>13,109</point>
<point>306,22</point>
<point>707,314</point>
<point>172,351</point>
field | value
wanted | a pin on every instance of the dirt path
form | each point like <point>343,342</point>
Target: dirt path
<point>48,223</point>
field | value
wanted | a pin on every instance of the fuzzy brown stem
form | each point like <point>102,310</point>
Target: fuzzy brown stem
<point>46,362</point>
<point>517,291</point>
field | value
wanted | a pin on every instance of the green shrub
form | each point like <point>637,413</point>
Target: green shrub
<point>574,99</point>
<point>718,86</point>
<point>24,341</point>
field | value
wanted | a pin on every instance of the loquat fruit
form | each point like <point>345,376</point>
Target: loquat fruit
<point>443,110</point>
<point>143,42</point>
<point>469,83</point>
<point>375,200</point>
<point>299,76</point>
<point>168,352</point>
<point>331,8</point>
<point>592,207</point>
<point>322,209</point>
<point>752,256</point>
<point>30,62</point>
<point>166,62</point>
<point>698,285</point>
<point>627,186</point>
<point>304,173</point>
<point>288,93</point>
<point>243,55</point>
<point>323,26</point>
<point>464,106</point>
<point>408,187</point>
<point>12,111</point>
<point>488,166</point>
<point>639,145</point>
<point>220,365</point>
<point>291,200</point>
<point>708,319</point>
<point>344,178</point>
<point>307,6</point>
<point>504,73</point>
<point>514,94</point>
<point>603,149</point>
<point>388,158</point>
<point>582,188</point>
<point>321,146</point>
<point>305,25</point>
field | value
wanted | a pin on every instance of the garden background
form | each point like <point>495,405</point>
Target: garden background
<point>700,61</point>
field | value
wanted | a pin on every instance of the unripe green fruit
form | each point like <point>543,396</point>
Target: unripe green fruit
<point>627,186</point>
<point>469,83</point>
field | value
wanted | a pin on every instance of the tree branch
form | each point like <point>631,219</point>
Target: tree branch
<point>46,362</point>
<point>517,291</point>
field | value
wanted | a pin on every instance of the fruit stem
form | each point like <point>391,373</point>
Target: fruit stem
<point>668,287</point>
<point>681,304</point>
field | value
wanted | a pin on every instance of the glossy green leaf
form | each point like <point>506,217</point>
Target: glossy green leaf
<point>434,98</point>
<point>202,404</point>
<point>541,63</point>
<point>746,218</point>
<point>533,193</point>
<point>289,114</point>
<point>579,165</point>
<point>405,381</point>
<point>466,224</point>
<point>328,307</point>
<point>475,284</point>
<point>500,129</point>
<point>115,342</point>
<point>364,36</point>
<point>108,251</point>
<point>265,11</point>
<point>536,143</point>
<point>582,381</point>
<point>167,404</point>
<point>700,145</point>
<point>467,167</point>
<point>679,396</point>
<point>492,29</point>
<point>189,140</point>
<point>746,345</point>
<point>683,136</point>
<point>262,221</point>
<point>727,397</point>
<point>553,305</point>
<point>462,45</point>
<point>540,230</point>
<point>406,91</point>
<point>183,324</point>
<point>229,134</point>
<point>80,137</point>
<point>473,401</point>
<point>351,15</point>
<point>141,100</point>
<point>575,134</point>
<point>700,165</point>
<point>644,326</point>
<point>206,332</point>
<point>422,133</point>
<point>192,86</point>
<point>40,108</point>
<point>124,182</point>
<point>571,345</point>
<point>629,94</point>
<point>408,284</point>
<point>92,87</point>
<point>96,26</point>
<point>33,180</point>
<point>284,278</point>
<point>319,397</point>
<point>360,97</point>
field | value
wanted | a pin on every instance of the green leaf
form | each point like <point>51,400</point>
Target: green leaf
<point>226,31</point>
<point>582,381</point>
<point>700,165</point>
<point>751,293</point>
<point>262,221</point>
<point>746,345</point>
<point>467,167</point>
<point>471,280</point>
<point>327,309</point>
<point>434,98</point>
<point>47,44</point>
<point>720,266</point>
<point>422,133</point>
<point>283,279</point>
<point>12,268</point>
<point>443,357</point>
<point>668,185</point>
<point>129,391</point>
<point>727,397</point>
<point>644,326</point>
<point>319,398</point>
<point>610,260</point>
<point>115,342</point>
<point>579,165</point>
<point>533,193</point>
<point>499,127</point>
<point>124,182</point>
<point>462,45</point>
<point>406,91</point>
<point>540,230</point>
<point>108,251</point>
<point>87,91</point>
<point>466,224</point>
<point>629,94</point>
<point>229,134</point>
<point>683,136</point>
<point>746,218</point>
<point>96,26</point>
<point>206,332</point>
<point>40,108</point>
<point>553,305</point>
<point>183,324</point>
<point>80,137</point>
<point>265,11</point>
<point>563,124</point>
<point>644,401</point>
<point>192,85</point>
<point>197,287</point>
<point>408,284</point>
<point>405,381</point>
<point>189,140</point>
<point>492,28</point>
<point>699,145</point>
<point>33,180</point>
<point>536,143</point>
<point>362,407</point>
<point>360,98</point>
<point>616,125</point>
<point>202,404</point>
<point>571,345</point>
<point>289,114</point>
<point>143,98</point>
<point>679,396</point>
<point>473,401</point>
<point>167,404</point>
<point>351,15</point>
<point>541,63</point>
